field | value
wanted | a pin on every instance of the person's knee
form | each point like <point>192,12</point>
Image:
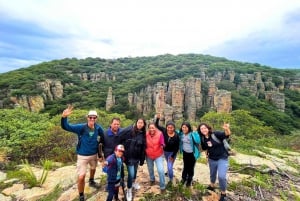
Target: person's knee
<point>81,177</point>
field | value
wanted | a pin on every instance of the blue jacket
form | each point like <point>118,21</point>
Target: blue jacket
<point>87,145</point>
<point>194,141</point>
<point>112,168</point>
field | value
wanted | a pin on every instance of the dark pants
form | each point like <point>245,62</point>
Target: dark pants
<point>113,190</point>
<point>189,162</point>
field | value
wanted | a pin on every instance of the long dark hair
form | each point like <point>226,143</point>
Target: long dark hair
<point>187,124</point>
<point>136,130</point>
<point>207,126</point>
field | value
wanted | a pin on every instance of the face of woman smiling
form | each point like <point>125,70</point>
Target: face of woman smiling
<point>170,129</point>
<point>185,129</point>
<point>204,130</point>
<point>152,129</point>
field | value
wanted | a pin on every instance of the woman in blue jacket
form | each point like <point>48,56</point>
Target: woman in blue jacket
<point>189,147</point>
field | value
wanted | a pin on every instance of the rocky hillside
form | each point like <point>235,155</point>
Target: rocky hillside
<point>273,175</point>
<point>179,87</point>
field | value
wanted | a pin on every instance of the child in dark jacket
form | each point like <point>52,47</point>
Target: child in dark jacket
<point>115,172</point>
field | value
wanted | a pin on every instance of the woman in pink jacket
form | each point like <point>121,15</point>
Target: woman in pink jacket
<point>154,154</point>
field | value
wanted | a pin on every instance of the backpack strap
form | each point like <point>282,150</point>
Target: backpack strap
<point>226,145</point>
<point>214,137</point>
<point>80,135</point>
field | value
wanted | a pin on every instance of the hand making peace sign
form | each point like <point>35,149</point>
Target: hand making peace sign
<point>67,111</point>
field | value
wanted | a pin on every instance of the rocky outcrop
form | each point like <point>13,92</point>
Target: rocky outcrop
<point>222,101</point>
<point>31,103</point>
<point>295,86</point>
<point>276,98</point>
<point>52,89</point>
<point>211,92</point>
<point>110,100</point>
<point>177,100</point>
<point>95,77</point>
<point>176,90</point>
<point>193,98</point>
<point>160,97</point>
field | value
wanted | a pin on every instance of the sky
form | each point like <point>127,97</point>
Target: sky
<point>256,31</point>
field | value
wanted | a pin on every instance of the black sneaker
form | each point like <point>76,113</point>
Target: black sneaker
<point>93,184</point>
<point>211,188</point>
<point>223,197</point>
<point>188,184</point>
<point>81,198</point>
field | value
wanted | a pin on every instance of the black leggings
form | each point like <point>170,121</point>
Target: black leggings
<point>189,162</point>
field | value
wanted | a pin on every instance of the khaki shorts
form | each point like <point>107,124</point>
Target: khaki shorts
<point>83,161</point>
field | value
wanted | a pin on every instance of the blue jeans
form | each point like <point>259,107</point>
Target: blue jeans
<point>170,164</point>
<point>218,166</point>
<point>160,169</point>
<point>132,170</point>
<point>113,190</point>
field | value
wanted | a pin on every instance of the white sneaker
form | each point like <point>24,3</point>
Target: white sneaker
<point>129,194</point>
<point>136,186</point>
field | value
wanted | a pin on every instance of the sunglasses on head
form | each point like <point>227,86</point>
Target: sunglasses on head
<point>92,117</point>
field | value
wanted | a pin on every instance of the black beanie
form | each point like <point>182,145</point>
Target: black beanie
<point>170,123</point>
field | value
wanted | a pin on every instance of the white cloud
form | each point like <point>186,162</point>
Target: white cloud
<point>110,29</point>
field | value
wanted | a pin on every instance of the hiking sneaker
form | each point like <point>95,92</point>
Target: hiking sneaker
<point>169,184</point>
<point>152,183</point>
<point>223,197</point>
<point>136,186</point>
<point>93,184</point>
<point>129,194</point>
<point>188,184</point>
<point>81,198</point>
<point>209,187</point>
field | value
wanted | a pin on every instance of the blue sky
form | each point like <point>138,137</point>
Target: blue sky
<point>256,31</point>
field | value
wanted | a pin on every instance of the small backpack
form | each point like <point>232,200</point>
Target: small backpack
<point>225,143</point>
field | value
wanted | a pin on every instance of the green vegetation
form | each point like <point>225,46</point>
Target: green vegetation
<point>256,123</point>
<point>130,75</point>
<point>27,176</point>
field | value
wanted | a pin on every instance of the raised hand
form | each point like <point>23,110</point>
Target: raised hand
<point>226,129</point>
<point>226,126</point>
<point>67,111</point>
<point>158,115</point>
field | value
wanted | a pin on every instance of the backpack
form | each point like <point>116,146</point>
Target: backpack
<point>225,143</point>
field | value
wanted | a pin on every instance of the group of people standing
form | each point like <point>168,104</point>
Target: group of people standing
<point>135,144</point>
